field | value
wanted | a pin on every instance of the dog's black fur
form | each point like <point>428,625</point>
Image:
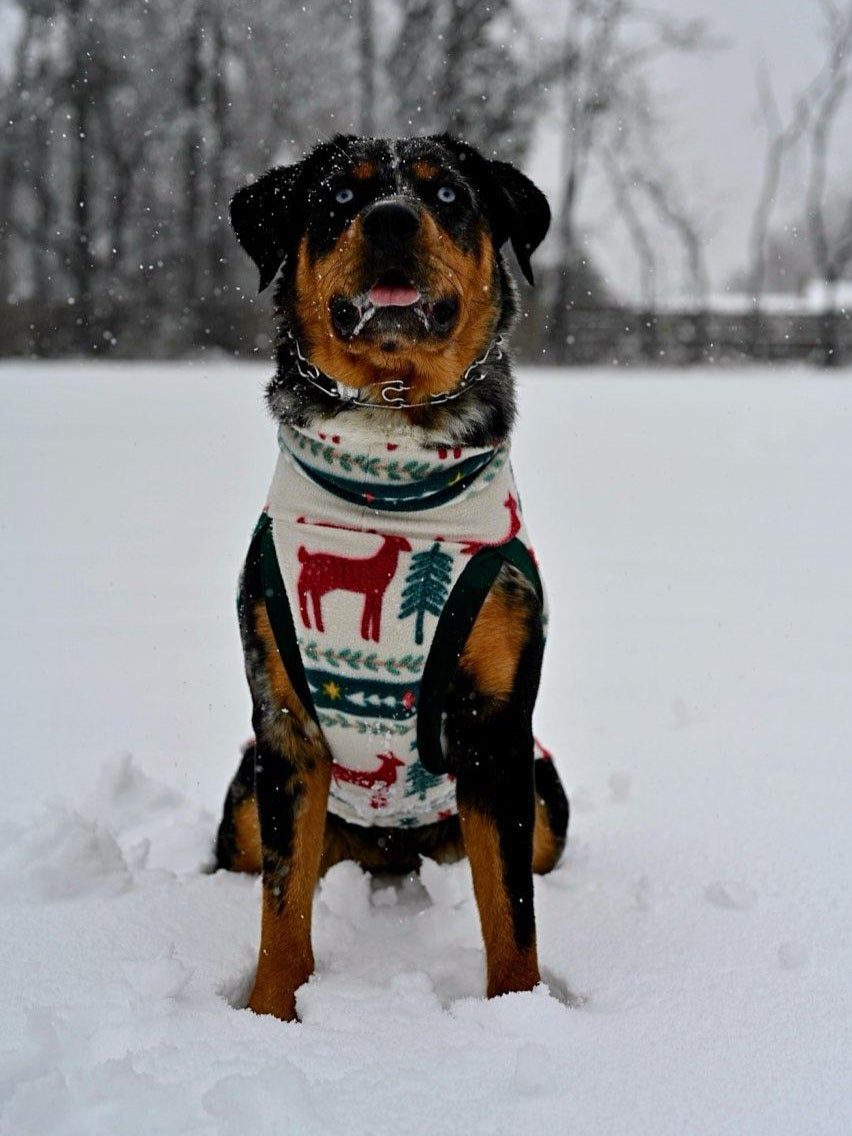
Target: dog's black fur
<point>323,229</point>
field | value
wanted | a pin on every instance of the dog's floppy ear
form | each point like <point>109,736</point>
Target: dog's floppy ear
<point>517,210</point>
<point>266,219</point>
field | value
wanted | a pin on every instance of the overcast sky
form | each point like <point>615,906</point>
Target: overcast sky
<point>715,133</point>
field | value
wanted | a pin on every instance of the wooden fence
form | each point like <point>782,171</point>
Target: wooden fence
<point>624,336</point>
<point>611,335</point>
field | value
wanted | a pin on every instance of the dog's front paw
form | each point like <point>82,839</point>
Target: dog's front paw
<point>267,999</point>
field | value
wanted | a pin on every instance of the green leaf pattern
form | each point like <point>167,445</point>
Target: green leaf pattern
<point>371,465</point>
<point>361,725</point>
<point>357,659</point>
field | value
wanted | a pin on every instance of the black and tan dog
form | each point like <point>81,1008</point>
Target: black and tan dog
<point>392,297</point>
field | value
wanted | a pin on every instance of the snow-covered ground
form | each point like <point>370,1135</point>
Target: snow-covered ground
<point>696,537</point>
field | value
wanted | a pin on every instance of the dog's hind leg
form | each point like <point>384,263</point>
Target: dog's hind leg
<point>490,743</point>
<point>238,838</point>
<point>551,816</point>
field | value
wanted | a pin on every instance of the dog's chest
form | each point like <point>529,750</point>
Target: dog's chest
<point>371,538</point>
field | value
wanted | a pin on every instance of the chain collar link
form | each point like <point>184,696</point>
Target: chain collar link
<point>393,391</point>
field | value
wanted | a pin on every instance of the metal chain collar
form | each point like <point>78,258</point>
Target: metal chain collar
<point>393,391</point>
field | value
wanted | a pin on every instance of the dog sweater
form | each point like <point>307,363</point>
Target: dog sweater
<point>376,554</point>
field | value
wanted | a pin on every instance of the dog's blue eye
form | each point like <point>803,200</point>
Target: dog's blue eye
<point>446,194</point>
<point>344,196</point>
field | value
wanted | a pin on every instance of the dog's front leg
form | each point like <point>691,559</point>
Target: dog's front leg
<point>489,734</point>
<point>292,796</point>
<point>291,781</point>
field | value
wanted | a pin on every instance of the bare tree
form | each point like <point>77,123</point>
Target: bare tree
<point>669,203</point>
<point>367,66</point>
<point>82,52</point>
<point>464,33</point>
<point>461,65</point>
<point>42,252</point>
<point>811,119</point>
<point>587,83</point>
<point>220,145</point>
<point>192,107</point>
<point>623,189</point>
<point>607,47</point>
<point>12,112</point>
<point>782,136</point>
<point>409,65</point>
<point>648,195</point>
<point>832,252</point>
<point>674,212</point>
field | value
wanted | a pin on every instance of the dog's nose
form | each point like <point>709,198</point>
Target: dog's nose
<point>389,224</point>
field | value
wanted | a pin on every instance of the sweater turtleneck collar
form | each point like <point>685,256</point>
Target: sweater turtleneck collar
<point>394,471</point>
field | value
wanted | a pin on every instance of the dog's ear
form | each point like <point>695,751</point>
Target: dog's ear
<point>516,209</point>
<point>266,217</point>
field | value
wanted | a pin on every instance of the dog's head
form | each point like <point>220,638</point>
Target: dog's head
<point>388,255</point>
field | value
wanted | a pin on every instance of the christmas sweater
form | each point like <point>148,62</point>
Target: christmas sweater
<point>376,555</point>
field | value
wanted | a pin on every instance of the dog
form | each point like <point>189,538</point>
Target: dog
<point>391,610</point>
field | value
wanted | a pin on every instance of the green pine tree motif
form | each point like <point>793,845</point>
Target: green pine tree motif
<point>418,780</point>
<point>426,586</point>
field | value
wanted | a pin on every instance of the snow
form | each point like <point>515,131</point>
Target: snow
<point>694,532</point>
<point>815,299</point>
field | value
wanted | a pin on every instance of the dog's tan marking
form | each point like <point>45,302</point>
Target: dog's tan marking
<point>496,641</point>
<point>509,966</point>
<point>424,170</point>
<point>363,170</point>
<point>286,957</point>
<point>288,724</point>
<point>246,837</point>
<point>427,367</point>
<point>471,276</point>
<point>276,676</point>
<point>546,847</point>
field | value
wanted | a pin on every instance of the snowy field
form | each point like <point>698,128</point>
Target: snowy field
<point>696,538</point>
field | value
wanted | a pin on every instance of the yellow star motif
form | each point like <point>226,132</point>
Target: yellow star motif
<point>332,690</point>
<point>454,480</point>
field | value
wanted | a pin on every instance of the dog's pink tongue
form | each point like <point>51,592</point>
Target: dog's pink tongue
<point>383,296</point>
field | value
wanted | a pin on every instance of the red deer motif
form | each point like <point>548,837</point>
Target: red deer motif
<point>379,780</point>
<point>472,546</point>
<point>324,572</point>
